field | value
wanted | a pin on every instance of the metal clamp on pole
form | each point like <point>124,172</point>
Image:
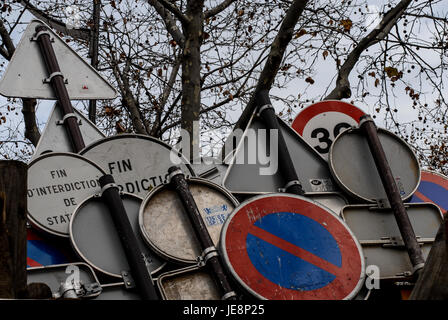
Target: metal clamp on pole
<point>286,166</point>
<point>38,34</point>
<point>108,186</point>
<point>209,254</point>
<point>64,118</point>
<point>290,184</point>
<point>369,130</point>
<point>54,74</point>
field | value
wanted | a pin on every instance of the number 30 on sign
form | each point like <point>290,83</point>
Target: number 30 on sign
<point>320,123</point>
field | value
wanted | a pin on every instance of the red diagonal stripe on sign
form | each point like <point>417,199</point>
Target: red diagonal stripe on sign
<point>297,251</point>
<point>422,197</point>
<point>30,262</point>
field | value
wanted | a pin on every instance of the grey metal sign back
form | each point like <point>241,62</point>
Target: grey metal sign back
<point>54,276</point>
<point>26,75</point>
<point>94,237</point>
<point>165,224</point>
<point>244,175</point>
<point>211,169</point>
<point>54,137</point>
<point>57,183</point>
<point>190,283</point>
<point>138,163</point>
<point>335,202</point>
<point>380,239</point>
<point>354,170</point>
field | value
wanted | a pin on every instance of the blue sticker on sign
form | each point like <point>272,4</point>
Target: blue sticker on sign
<point>282,267</point>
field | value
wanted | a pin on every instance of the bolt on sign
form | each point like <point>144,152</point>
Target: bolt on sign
<point>57,183</point>
<point>138,163</point>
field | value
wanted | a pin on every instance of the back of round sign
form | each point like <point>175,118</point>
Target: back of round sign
<point>354,170</point>
<point>94,237</point>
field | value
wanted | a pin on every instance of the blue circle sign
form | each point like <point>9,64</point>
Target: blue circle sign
<point>283,247</point>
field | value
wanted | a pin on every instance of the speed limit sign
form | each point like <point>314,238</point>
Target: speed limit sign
<point>320,123</point>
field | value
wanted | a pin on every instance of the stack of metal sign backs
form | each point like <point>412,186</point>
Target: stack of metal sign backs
<point>93,236</point>
<point>137,162</point>
<point>252,172</point>
<point>356,170</point>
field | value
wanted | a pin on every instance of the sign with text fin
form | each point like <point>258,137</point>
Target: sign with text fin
<point>54,138</point>
<point>25,74</point>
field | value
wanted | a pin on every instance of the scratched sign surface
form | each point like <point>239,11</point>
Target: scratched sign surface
<point>165,224</point>
<point>285,247</point>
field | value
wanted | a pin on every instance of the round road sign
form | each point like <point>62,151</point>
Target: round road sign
<point>166,226</point>
<point>94,237</point>
<point>138,163</point>
<point>353,167</point>
<point>433,188</point>
<point>57,183</point>
<point>287,247</point>
<point>320,123</point>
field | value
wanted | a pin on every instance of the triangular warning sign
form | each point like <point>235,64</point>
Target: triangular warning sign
<point>54,137</point>
<point>255,170</point>
<point>25,74</point>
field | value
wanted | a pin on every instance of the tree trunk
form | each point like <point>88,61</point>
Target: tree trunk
<point>13,209</point>
<point>191,75</point>
<point>432,283</point>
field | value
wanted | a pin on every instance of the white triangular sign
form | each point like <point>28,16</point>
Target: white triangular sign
<point>26,71</point>
<point>54,138</point>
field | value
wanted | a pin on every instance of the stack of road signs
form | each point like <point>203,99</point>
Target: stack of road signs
<point>275,245</point>
<point>254,166</point>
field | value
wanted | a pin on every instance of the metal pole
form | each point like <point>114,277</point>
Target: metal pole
<point>56,80</point>
<point>368,128</point>
<point>210,253</point>
<point>137,261</point>
<point>286,166</point>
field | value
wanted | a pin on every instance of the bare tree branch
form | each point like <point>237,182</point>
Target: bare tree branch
<point>342,89</point>
<point>58,25</point>
<point>169,21</point>
<point>276,54</point>
<point>219,8</point>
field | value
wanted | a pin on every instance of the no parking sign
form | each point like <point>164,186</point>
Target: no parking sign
<point>287,247</point>
<point>433,188</point>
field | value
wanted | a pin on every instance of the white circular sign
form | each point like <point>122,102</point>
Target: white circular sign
<point>138,163</point>
<point>57,183</point>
